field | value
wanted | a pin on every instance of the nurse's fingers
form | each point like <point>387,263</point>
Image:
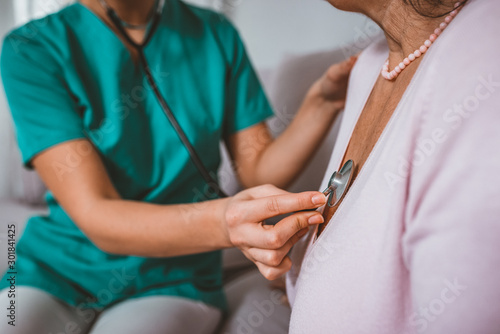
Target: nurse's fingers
<point>273,258</point>
<point>289,226</point>
<point>274,237</point>
<point>272,273</point>
<point>334,82</point>
<point>260,209</point>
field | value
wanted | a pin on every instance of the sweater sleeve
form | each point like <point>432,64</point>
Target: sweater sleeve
<point>453,217</point>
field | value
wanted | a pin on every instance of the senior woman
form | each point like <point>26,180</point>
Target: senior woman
<point>413,247</point>
<point>124,241</point>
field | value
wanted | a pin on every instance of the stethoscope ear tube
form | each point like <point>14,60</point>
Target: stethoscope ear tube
<point>212,182</point>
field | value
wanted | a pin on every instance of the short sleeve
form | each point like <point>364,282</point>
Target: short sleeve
<point>246,103</point>
<point>43,110</point>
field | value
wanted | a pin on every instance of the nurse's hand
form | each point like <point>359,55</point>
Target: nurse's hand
<point>328,93</point>
<point>257,153</point>
<point>267,245</point>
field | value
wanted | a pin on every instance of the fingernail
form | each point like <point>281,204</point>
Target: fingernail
<point>316,219</point>
<point>319,199</point>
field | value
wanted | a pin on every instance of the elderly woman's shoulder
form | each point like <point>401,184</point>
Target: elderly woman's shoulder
<point>470,43</point>
<point>465,56</point>
<point>459,81</point>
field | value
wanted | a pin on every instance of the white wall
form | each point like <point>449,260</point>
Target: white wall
<point>274,28</point>
<point>6,134</point>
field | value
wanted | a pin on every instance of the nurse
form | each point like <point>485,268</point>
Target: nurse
<point>132,240</point>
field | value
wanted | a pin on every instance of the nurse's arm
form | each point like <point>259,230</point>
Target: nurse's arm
<point>126,227</point>
<point>259,159</point>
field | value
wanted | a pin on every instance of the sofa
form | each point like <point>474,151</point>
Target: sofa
<point>248,292</point>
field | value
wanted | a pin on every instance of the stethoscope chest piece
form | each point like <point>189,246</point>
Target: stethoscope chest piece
<point>338,184</point>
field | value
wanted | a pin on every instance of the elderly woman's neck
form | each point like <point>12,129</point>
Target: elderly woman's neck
<point>404,28</point>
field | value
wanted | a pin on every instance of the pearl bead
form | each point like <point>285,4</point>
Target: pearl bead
<point>411,57</point>
<point>427,43</point>
<point>438,31</point>
<point>457,4</point>
<point>423,49</point>
<point>401,66</point>
<point>406,61</point>
<point>398,70</point>
<point>448,19</point>
<point>443,25</point>
<point>453,13</point>
<point>432,37</point>
<point>417,53</point>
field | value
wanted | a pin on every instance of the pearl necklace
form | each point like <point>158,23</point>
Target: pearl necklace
<point>420,51</point>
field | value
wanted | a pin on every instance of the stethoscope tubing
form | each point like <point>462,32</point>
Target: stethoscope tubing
<point>211,181</point>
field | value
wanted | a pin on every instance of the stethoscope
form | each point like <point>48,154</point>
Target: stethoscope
<point>339,181</point>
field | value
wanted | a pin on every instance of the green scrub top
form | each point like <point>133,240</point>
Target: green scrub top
<point>68,76</point>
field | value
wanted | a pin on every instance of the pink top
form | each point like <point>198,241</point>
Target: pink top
<point>415,245</point>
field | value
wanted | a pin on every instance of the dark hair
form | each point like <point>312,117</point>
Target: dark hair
<point>427,8</point>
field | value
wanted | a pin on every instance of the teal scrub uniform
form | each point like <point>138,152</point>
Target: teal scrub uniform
<point>68,76</point>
